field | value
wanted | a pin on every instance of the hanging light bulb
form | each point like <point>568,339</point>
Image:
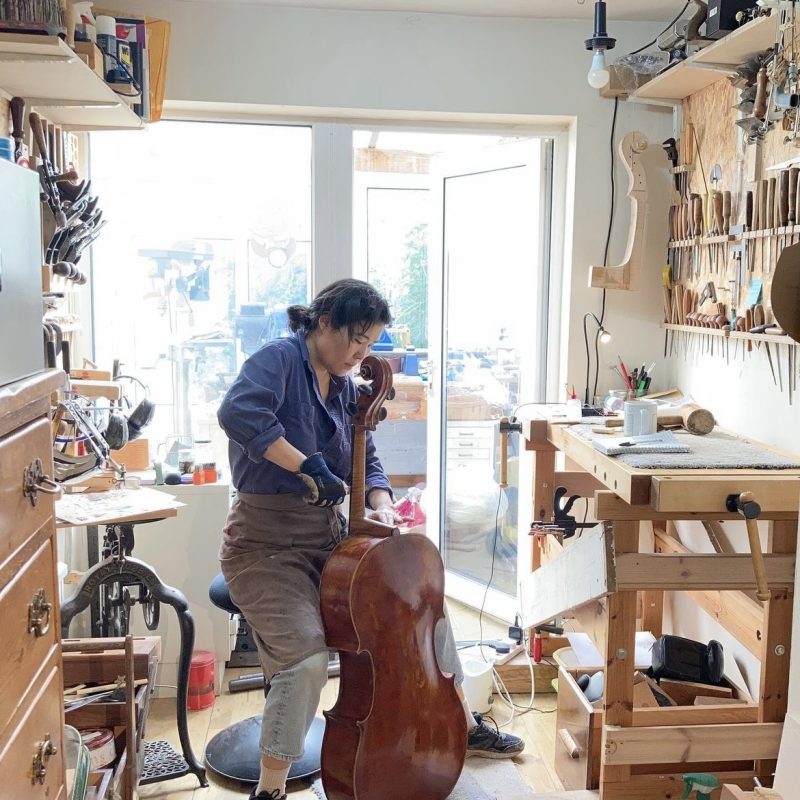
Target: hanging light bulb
<point>605,336</point>
<point>598,73</point>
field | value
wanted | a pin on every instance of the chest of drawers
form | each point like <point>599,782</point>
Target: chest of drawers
<point>31,708</point>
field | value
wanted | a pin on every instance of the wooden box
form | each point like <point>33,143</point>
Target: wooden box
<point>579,731</point>
<point>85,660</point>
<point>92,56</point>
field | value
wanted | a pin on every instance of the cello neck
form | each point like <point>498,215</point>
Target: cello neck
<point>376,371</point>
<point>358,500</point>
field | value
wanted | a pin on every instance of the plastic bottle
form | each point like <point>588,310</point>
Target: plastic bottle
<point>107,42</point>
<point>199,475</point>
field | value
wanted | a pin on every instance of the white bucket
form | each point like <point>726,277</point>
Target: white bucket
<point>477,684</point>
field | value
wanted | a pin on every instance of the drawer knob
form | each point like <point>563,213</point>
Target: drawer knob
<point>40,759</point>
<point>39,614</point>
<point>34,480</point>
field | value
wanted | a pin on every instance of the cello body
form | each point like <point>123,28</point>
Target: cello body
<point>397,730</point>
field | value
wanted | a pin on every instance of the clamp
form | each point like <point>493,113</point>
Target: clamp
<point>563,522</point>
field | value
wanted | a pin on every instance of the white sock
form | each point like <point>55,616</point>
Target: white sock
<point>471,721</point>
<point>272,779</point>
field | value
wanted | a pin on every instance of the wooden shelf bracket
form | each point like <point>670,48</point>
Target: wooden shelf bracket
<point>626,275</point>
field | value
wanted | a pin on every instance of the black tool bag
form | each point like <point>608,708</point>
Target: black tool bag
<point>686,660</point>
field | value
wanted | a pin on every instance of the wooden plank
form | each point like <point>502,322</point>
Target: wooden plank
<point>739,614</point>
<point>667,787</point>
<point>608,505</point>
<point>684,692</point>
<point>632,486</point>
<point>581,573</point>
<point>694,715</point>
<point>775,492</point>
<point>776,642</point>
<point>619,655</point>
<point>544,468</point>
<point>685,743</point>
<point>516,675</point>
<point>652,612</point>
<point>592,619</point>
<point>700,571</point>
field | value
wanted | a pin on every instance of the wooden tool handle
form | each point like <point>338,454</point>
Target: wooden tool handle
<point>692,417</point>
<point>697,211</point>
<point>763,593</point>
<point>769,203</point>
<point>570,745</point>
<point>17,118</point>
<point>793,174</point>
<point>748,323</point>
<point>760,104</point>
<point>718,220</point>
<point>727,206</point>
<point>748,210</point>
<point>783,198</point>
<point>38,134</point>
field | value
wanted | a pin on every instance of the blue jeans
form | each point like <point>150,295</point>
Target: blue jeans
<point>294,694</point>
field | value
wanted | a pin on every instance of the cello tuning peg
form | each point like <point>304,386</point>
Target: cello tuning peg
<point>383,414</point>
<point>352,408</point>
<point>365,388</point>
<point>391,394</point>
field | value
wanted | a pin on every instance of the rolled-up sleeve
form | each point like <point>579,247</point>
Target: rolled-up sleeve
<point>247,412</point>
<point>375,477</point>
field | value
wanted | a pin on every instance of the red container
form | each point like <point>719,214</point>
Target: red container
<point>201,680</point>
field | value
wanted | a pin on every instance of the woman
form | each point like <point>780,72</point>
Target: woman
<point>290,454</point>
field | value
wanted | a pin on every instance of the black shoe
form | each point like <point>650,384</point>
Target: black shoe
<point>273,795</point>
<point>489,742</point>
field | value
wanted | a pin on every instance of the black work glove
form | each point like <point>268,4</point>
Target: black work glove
<point>325,489</point>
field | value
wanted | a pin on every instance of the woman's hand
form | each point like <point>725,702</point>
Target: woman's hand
<point>387,515</point>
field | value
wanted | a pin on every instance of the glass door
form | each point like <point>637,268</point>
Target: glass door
<point>487,330</point>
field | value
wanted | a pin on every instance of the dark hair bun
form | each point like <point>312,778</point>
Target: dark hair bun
<point>299,317</point>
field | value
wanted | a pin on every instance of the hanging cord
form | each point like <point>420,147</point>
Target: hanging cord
<point>605,263</point>
<point>645,46</point>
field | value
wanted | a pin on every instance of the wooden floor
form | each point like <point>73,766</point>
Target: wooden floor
<point>537,729</point>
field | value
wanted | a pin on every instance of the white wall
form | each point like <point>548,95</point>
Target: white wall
<point>362,63</point>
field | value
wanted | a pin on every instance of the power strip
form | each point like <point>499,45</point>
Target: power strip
<point>492,655</point>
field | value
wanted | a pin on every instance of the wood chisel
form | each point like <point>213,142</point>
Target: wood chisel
<point>719,224</point>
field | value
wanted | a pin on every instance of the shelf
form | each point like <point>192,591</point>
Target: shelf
<point>708,65</point>
<point>748,337</point>
<point>77,98</point>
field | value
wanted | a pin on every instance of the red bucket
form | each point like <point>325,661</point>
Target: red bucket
<point>201,680</point>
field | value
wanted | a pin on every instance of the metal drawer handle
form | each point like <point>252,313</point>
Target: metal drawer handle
<point>34,480</point>
<point>39,614</point>
<point>40,759</point>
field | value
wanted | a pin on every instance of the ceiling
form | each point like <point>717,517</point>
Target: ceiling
<point>657,10</point>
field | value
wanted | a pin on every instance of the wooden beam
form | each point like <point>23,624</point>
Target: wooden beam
<point>652,617</point>
<point>680,494</point>
<point>608,505</point>
<point>692,715</point>
<point>700,571</point>
<point>578,482</point>
<point>544,469</point>
<point>581,573</point>
<point>685,743</point>
<point>777,641</point>
<point>592,619</point>
<point>739,614</point>
<point>666,787</point>
<point>619,655</point>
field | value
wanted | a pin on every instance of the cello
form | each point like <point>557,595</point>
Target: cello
<point>397,728</point>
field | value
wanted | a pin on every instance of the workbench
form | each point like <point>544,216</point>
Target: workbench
<point>601,577</point>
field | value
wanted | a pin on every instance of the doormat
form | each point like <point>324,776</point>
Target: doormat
<point>481,779</point>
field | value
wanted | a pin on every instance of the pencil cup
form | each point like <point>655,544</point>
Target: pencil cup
<point>640,417</point>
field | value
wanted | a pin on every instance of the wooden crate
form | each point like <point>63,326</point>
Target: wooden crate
<point>579,732</point>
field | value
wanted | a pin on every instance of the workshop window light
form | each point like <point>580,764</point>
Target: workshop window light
<point>599,75</point>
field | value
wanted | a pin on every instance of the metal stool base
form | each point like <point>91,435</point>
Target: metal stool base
<point>162,762</point>
<point>235,753</point>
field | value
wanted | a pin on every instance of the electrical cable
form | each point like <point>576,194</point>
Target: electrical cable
<point>605,263</point>
<point>491,570</point>
<point>645,46</point>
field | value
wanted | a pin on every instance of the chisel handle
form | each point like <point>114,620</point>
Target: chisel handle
<point>760,103</point>
<point>38,135</point>
<point>793,175</point>
<point>727,205</point>
<point>718,221</point>
<point>783,198</point>
<point>748,210</point>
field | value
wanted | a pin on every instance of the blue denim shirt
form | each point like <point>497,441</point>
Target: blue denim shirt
<point>277,394</point>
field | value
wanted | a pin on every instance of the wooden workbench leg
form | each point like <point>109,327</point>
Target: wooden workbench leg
<point>544,478</point>
<point>620,644</point>
<point>652,600</point>
<point>776,644</point>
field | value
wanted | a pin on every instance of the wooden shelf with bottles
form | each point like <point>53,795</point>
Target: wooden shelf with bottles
<point>54,81</point>
<point>712,63</point>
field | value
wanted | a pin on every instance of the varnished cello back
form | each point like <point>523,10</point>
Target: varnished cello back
<point>397,730</point>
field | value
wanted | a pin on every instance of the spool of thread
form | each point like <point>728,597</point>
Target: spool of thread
<point>107,42</point>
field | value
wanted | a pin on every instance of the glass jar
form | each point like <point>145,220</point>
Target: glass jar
<point>614,401</point>
<point>199,475</point>
<point>186,461</point>
<point>210,472</point>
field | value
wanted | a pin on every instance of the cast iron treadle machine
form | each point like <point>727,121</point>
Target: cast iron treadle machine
<point>112,578</point>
